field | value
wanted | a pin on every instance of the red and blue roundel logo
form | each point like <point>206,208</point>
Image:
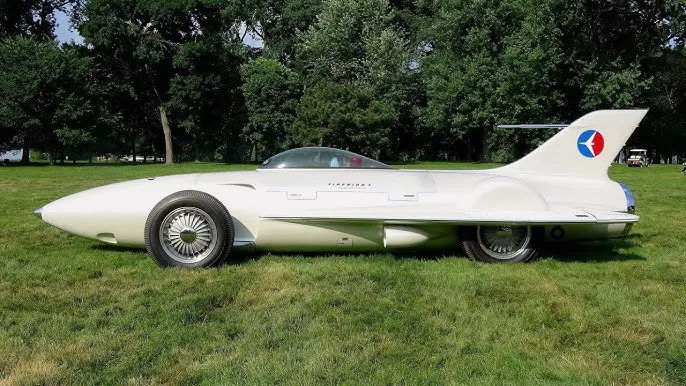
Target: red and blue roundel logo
<point>590,143</point>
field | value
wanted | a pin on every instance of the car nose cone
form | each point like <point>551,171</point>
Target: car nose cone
<point>39,212</point>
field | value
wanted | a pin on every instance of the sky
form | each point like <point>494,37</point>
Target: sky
<point>251,40</point>
<point>65,33</point>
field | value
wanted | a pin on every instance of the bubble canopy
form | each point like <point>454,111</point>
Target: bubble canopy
<point>321,158</point>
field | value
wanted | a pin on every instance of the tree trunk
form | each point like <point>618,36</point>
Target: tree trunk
<point>169,151</point>
<point>25,155</point>
<point>485,155</point>
<point>133,149</point>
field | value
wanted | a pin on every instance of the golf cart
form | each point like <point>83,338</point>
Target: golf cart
<point>638,158</point>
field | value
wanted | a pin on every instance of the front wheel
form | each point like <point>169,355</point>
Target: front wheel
<point>189,229</point>
<point>500,243</point>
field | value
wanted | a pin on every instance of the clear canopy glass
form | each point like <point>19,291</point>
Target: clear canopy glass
<point>320,158</point>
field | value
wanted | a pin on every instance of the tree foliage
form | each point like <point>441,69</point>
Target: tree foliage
<point>343,116</point>
<point>167,49</point>
<point>271,92</point>
<point>31,18</point>
<point>204,96</point>
<point>358,77</point>
<point>396,79</point>
<point>45,98</point>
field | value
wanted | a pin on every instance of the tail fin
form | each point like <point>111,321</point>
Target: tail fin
<point>585,148</point>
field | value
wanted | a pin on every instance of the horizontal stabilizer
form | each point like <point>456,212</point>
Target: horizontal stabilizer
<point>534,126</point>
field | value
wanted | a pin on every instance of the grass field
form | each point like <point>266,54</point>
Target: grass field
<point>76,312</point>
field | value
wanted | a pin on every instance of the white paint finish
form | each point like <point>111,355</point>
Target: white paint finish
<point>304,236</point>
<point>398,236</point>
<point>396,182</point>
<point>242,202</point>
<point>601,194</point>
<point>120,209</point>
<point>347,209</point>
<point>559,155</point>
<point>505,193</point>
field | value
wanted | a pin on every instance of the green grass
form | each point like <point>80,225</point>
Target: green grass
<point>75,312</point>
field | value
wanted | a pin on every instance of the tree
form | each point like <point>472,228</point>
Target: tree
<point>493,62</point>
<point>488,62</point>
<point>613,52</point>
<point>28,18</point>
<point>663,129</point>
<point>399,79</point>
<point>205,93</point>
<point>344,116</point>
<point>45,100</point>
<point>146,39</point>
<point>128,113</point>
<point>271,93</point>
<point>353,46</point>
<point>277,22</point>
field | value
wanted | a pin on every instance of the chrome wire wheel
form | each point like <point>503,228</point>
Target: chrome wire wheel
<point>503,242</point>
<point>188,234</point>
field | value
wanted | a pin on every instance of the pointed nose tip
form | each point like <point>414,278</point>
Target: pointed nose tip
<point>39,212</point>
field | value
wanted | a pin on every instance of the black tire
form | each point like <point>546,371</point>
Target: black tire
<point>477,251</point>
<point>208,245</point>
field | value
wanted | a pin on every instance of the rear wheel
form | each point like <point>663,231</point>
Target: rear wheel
<point>500,243</point>
<point>189,229</point>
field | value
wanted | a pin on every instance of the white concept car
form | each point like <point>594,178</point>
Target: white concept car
<point>327,200</point>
